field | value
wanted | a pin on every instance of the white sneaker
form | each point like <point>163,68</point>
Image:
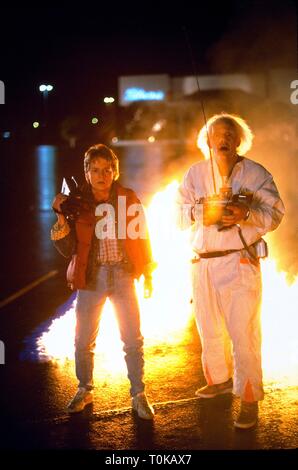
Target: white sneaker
<point>82,398</point>
<point>141,405</point>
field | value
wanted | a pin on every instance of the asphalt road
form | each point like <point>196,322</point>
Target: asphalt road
<point>34,395</point>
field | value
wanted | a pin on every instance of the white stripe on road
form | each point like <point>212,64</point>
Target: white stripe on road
<point>97,415</point>
<point>25,289</point>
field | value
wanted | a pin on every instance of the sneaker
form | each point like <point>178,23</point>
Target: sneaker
<point>141,405</point>
<point>82,398</point>
<point>211,391</point>
<point>248,415</point>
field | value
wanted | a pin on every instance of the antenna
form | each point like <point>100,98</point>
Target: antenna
<point>201,101</point>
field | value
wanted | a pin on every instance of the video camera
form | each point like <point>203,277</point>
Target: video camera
<point>72,206</point>
<point>214,207</point>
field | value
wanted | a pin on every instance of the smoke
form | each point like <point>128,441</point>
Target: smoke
<point>275,146</point>
<point>262,35</point>
<point>264,40</point>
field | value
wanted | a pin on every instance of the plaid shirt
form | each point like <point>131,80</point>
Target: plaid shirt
<point>109,247</point>
<point>109,251</point>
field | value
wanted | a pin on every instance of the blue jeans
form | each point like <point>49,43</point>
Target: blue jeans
<point>117,284</point>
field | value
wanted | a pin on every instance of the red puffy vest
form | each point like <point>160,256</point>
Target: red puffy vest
<point>138,250</point>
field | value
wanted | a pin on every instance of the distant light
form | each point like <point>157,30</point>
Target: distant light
<point>46,168</point>
<point>139,94</point>
<point>94,120</point>
<point>6,134</point>
<point>151,139</point>
<point>115,140</point>
<point>35,124</point>
<point>45,87</point>
<point>108,99</point>
<point>158,125</point>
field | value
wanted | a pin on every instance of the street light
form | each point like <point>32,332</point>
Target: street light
<point>108,99</point>
<point>110,119</point>
<point>45,89</point>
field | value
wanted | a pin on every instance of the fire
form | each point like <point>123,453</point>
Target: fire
<point>279,326</point>
<point>166,315</point>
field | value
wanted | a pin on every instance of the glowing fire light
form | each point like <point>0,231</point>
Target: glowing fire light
<point>279,326</point>
<point>165,316</point>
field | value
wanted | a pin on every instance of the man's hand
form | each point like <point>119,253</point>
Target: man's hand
<point>238,212</point>
<point>56,205</point>
<point>148,288</point>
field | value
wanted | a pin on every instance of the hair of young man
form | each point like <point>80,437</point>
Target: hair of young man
<point>101,151</point>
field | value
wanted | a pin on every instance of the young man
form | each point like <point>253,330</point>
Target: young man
<point>107,253</point>
<point>226,272</point>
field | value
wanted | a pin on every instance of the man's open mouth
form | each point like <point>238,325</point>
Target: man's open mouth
<point>224,148</point>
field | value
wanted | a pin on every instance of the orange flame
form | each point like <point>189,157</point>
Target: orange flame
<point>166,315</point>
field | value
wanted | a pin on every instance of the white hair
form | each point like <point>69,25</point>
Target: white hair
<point>244,132</point>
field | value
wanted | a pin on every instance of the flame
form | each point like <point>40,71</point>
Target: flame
<point>162,321</point>
<point>166,315</point>
<point>279,326</point>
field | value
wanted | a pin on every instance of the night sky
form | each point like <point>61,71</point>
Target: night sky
<point>82,52</point>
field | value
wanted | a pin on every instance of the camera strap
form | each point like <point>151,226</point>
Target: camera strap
<point>254,258</point>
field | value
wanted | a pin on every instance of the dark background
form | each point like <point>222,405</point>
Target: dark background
<point>82,50</point>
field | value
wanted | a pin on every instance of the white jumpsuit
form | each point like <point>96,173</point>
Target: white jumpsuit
<point>227,289</point>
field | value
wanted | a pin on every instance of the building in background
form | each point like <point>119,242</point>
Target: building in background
<point>161,107</point>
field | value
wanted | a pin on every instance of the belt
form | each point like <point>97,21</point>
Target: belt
<point>124,264</point>
<point>213,254</point>
<point>111,263</point>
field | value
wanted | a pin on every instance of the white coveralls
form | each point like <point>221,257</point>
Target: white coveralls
<point>227,289</point>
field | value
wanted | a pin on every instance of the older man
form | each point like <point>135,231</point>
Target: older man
<point>231,202</point>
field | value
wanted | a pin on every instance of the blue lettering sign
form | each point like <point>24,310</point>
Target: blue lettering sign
<point>139,94</point>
